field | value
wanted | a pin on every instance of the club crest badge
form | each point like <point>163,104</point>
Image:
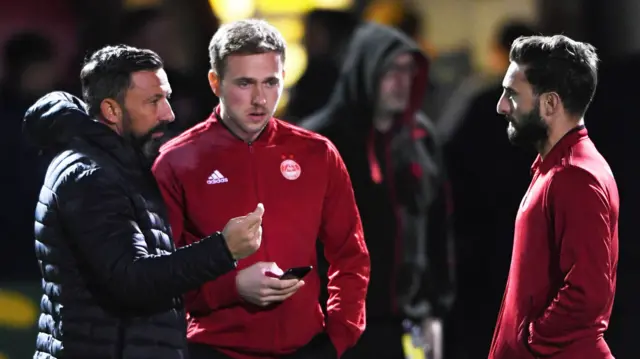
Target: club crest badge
<point>290,169</point>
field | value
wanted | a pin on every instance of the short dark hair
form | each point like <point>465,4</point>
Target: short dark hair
<point>244,37</point>
<point>559,64</point>
<point>107,73</point>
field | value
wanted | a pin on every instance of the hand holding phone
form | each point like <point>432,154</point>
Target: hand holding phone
<point>296,272</point>
<point>261,284</point>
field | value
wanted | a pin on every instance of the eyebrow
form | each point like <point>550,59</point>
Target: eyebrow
<point>509,90</point>
<point>159,96</point>
<point>253,80</point>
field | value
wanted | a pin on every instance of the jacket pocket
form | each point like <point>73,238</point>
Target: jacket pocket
<point>522,334</point>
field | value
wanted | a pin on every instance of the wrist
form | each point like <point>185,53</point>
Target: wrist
<point>220,235</point>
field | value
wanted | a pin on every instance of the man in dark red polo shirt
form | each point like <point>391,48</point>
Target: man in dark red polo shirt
<point>562,280</point>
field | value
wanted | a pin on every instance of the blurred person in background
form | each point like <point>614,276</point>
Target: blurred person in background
<point>29,72</point>
<point>110,273</point>
<point>475,148</point>
<point>412,24</point>
<point>157,29</point>
<point>463,102</point>
<point>410,20</point>
<point>326,34</point>
<point>562,281</point>
<point>242,153</point>
<point>393,157</point>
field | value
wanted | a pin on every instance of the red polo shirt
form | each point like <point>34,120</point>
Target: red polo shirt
<point>562,279</point>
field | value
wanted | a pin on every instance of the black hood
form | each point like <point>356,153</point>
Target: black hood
<point>55,119</point>
<point>58,117</point>
<point>372,49</point>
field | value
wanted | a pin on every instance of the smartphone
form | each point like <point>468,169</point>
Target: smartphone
<point>296,272</point>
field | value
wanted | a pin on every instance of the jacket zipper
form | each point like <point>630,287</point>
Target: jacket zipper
<point>254,171</point>
<point>256,188</point>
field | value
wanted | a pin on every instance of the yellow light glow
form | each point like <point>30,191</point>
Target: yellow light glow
<point>270,7</point>
<point>333,4</point>
<point>282,105</point>
<point>295,64</point>
<point>17,310</point>
<point>384,12</point>
<point>291,27</point>
<point>232,10</point>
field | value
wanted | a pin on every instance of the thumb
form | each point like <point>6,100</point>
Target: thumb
<point>256,216</point>
<point>259,211</point>
<point>271,267</point>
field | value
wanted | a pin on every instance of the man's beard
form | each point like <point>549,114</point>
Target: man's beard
<point>529,130</point>
<point>146,144</point>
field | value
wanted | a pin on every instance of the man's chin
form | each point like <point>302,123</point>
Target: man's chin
<point>254,127</point>
<point>151,146</point>
<point>518,140</point>
<point>396,108</point>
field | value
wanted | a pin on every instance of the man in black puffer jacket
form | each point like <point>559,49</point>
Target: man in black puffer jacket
<point>112,278</point>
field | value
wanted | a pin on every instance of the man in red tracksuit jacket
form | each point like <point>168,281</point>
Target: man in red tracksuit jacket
<point>562,281</point>
<point>220,168</point>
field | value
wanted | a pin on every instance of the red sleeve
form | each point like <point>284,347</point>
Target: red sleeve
<point>581,213</point>
<point>348,257</point>
<point>212,295</point>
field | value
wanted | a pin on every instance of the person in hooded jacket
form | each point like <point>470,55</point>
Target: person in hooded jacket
<point>393,159</point>
<point>111,277</point>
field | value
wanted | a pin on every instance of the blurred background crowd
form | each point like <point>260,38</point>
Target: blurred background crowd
<point>42,44</point>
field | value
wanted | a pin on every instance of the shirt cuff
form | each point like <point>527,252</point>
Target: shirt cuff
<point>339,338</point>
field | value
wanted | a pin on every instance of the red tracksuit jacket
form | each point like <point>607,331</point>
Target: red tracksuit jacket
<point>562,279</point>
<point>207,176</point>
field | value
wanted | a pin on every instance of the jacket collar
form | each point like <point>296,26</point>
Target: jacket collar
<point>559,150</point>
<point>264,138</point>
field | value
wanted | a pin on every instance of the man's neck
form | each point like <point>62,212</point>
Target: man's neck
<point>113,126</point>
<point>556,133</point>
<point>233,128</point>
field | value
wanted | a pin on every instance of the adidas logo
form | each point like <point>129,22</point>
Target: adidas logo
<point>217,177</point>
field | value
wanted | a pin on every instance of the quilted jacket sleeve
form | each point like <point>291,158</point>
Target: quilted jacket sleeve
<point>99,219</point>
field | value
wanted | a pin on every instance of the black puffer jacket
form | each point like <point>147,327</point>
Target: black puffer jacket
<point>112,286</point>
